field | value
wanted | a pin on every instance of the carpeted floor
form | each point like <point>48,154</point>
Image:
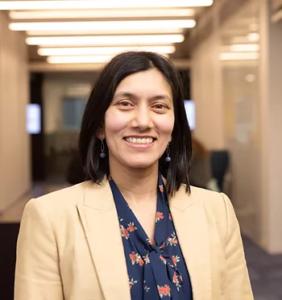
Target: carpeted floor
<point>265,272</point>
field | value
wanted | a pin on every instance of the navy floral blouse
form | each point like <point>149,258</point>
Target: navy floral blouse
<point>154,272</point>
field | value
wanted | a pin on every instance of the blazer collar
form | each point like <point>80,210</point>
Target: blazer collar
<point>100,197</point>
<point>181,199</point>
<point>99,219</point>
<point>191,225</point>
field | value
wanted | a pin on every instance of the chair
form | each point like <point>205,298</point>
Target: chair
<point>219,166</point>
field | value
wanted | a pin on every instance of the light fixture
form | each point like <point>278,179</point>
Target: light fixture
<point>103,25</point>
<point>239,56</point>
<point>244,47</point>
<point>250,78</point>
<point>78,59</point>
<point>99,14</point>
<point>101,50</point>
<point>253,37</point>
<point>250,38</point>
<point>103,32</point>
<point>106,40</point>
<point>80,4</point>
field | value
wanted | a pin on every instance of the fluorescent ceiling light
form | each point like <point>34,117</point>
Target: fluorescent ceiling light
<point>240,40</point>
<point>244,48</point>
<point>253,37</point>
<point>101,50</point>
<point>89,14</point>
<point>239,56</point>
<point>106,40</point>
<point>78,59</point>
<point>79,4</point>
<point>250,38</point>
<point>107,25</point>
<point>103,32</point>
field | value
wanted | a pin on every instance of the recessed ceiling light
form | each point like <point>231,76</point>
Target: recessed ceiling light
<point>250,78</point>
<point>253,37</point>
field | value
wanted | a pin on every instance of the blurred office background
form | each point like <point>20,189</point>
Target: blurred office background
<point>229,55</point>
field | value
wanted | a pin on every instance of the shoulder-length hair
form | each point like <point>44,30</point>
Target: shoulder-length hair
<point>125,64</point>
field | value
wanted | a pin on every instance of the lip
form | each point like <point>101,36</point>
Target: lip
<point>140,146</point>
<point>140,137</point>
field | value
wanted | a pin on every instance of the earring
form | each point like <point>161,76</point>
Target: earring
<point>168,158</point>
<point>102,154</point>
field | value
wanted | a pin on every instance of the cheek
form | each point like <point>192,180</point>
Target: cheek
<point>166,125</point>
<point>114,122</point>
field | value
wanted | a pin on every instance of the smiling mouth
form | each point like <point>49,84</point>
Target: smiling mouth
<point>140,141</point>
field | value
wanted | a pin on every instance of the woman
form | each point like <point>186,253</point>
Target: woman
<point>136,229</point>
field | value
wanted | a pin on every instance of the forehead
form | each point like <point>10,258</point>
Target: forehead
<point>146,82</point>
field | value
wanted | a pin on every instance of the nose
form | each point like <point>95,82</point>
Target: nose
<point>142,118</point>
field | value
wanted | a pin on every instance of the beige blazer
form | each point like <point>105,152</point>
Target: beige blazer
<point>70,246</point>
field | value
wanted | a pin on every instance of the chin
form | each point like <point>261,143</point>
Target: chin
<point>141,164</point>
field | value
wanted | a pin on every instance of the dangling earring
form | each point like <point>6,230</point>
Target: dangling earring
<point>168,158</point>
<point>102,154</point>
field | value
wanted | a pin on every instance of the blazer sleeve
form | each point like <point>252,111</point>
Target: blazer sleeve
<point>37,275</point>
<point>237,278</point>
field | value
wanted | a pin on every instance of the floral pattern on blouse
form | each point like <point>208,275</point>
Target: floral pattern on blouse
<point>154,271</point>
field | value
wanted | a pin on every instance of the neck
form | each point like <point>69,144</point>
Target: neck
<point>136,185</point>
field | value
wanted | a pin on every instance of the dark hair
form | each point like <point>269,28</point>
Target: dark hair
<point>121,66</point>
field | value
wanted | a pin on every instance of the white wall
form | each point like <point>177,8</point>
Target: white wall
<point>224,100</point>
<point>250,116</point>
<point>242,133</point>
<point>14,95</point>
<point>271,111</point>
<point>207,94</point>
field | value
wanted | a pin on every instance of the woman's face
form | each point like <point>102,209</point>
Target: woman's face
<point>140,120</point>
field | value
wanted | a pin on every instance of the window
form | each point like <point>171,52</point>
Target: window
<point>73,109</point>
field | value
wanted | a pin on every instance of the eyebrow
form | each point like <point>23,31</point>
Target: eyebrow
<point>133,96</point>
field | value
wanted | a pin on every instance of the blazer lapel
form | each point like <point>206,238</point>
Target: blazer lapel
<point>192,230</point>
<point>100,222</point>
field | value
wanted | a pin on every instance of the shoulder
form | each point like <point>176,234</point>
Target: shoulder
<point>208,198</point>
<point>61,200</point>
<point>214,202</point>
<point>217,207</point>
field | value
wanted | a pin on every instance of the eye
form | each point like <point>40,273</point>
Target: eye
<point>124,104</point>
<point>160,106</point>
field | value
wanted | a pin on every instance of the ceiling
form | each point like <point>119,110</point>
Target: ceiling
<point>74,34</point>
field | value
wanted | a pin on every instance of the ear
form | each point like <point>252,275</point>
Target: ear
<point>100,133</point>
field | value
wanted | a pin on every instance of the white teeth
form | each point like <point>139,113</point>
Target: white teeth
<point>139,140</point>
